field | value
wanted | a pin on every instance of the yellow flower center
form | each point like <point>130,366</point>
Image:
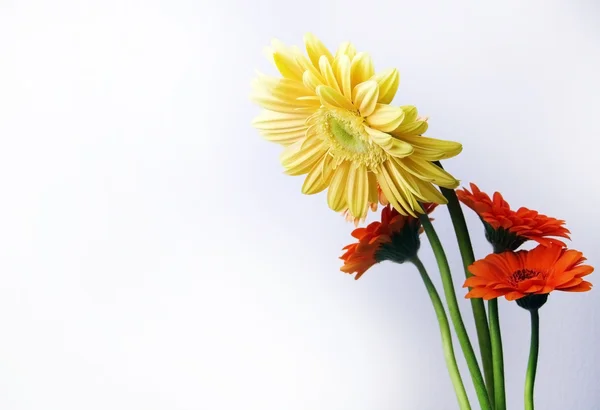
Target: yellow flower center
<point>348,139</point>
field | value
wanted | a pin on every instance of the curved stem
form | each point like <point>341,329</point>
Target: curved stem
<point>500,396</point>
<point>459,388</point>
<point>477,305</point>
<point>459,326</point>
<point>533,359</point>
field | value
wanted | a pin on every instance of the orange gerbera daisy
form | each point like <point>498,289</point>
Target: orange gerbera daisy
<point>395,238</point>
<point>506,229</point>
<point>523,273</point>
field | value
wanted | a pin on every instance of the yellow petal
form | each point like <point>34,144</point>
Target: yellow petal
<point>309,101</point>
<point>401,180</point>
<point>411,128</point>
<point>327,73</point>
<point>430,193</point>
<point>304,63</point>
<point>347,49</point>
<point>307,65</point>
<point>427,154</point>
<point>270,120</point>
<point>387,192</point>
<point>392,193</point>
<point>411,125</point>
<point>283,87</point>
<point>388,82</point>
<point>396,178</point>
<point>385,117</point>
<point>284,137</point>
<point>429,172</point>
<point>287,65</point>
<point>358,191</point>
<point>300,157</point>
<point>319,176</point>
<point>425,191</point>
<point>272,103</point>
<point>365,97</point>
<point>444,149</point>
<point>341,66</point>
<point>315,49</point>
<point>293,53</point>
<point>391,145</point>
<point>281,128</point>
<point>410,113</point>
<point>362,68</point>
<point>311,81</point>
<point>336,198</point>
<point>398,148</point>
<point>313,119</point>
<point>373,192</point>
<point>287,92</point>
<point>305,110</point>
<point>333,99</point>
<point>379,137</point>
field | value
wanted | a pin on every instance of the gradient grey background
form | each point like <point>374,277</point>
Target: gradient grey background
<point>154,256</point>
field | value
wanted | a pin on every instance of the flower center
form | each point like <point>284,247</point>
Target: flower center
<point>345,132</point>
<point>521,275</point>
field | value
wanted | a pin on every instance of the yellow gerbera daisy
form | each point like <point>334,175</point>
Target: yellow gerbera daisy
<point>333,116</point>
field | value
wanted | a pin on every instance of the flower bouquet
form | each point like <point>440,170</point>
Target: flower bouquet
<point>332,114</point>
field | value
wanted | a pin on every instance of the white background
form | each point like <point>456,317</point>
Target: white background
<point>154,256</point>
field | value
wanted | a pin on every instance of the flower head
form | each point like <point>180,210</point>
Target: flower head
<point>506,229</point>
<point>332,114</point>
<point>515,275</point>
<point>395,238</point>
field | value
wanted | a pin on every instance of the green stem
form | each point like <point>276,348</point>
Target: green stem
<point>459,388</point>
<point>500,396</point>
<point>459,326</point>
<point>479,314</point>
<point>533,359</point>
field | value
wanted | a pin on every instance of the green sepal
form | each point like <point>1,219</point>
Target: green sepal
<point>404,245</point>
<point>533,302</point>
<point>502,240</point>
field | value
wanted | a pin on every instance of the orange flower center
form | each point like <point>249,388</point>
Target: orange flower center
<point>522,274</point>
